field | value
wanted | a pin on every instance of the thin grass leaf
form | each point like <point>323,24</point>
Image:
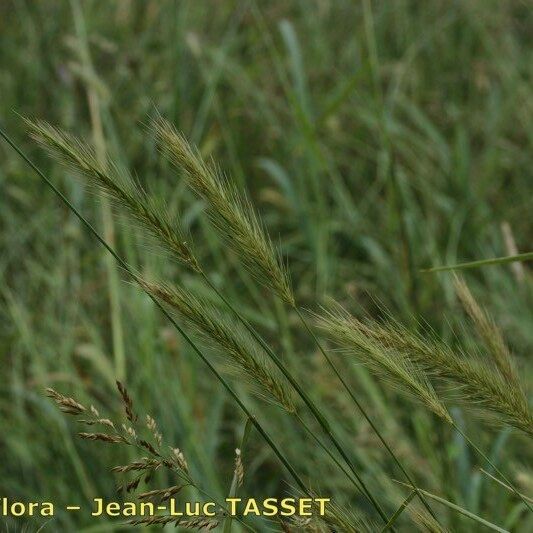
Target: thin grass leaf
<point>399,511</point>
<point>459,509</point>
<point>528,256</point>
<point>507,487</point>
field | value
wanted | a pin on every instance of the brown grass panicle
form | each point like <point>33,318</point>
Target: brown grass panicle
<point>394,367</point>
<point>239,349</point>
<point>144,436</point>
<point>475,384</point>
<point>68,405</point>
<point>231,212</point>
<point>125,193</point>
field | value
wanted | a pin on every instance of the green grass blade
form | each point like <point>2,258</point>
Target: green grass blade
<point>459,509</point>
<point>400,510</point>
<point>504,485</point>
<point>483,262</point>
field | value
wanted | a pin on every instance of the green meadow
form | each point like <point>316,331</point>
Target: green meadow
<point>275,182</point>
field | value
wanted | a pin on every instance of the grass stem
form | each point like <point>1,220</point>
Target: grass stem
<point>492,465</point>
<point>303,395</point>
<point>93,102</point>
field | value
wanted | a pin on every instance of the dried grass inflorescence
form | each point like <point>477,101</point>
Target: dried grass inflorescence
<point>238,348</point>
<point>123,191</point>
<point>141,469</point>
<point>231,212</point>
<point>130,434</point>
<point>68,405</point>
<point>239,468</point>
<point>199,523</point>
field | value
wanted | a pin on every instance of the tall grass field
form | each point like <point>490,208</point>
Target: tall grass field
<point>267,264</point>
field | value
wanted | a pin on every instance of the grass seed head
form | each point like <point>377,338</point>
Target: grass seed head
<point>240,351</point>
<point>125,193</point>
<point>231,212</point>
<point>392,366</point>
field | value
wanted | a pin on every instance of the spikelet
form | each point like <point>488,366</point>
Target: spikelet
<point>396,368</point>
<point>238,471</point>
<point>124,192</point>
<point>161,494</point>
<point>68,405</point>
<point>199,523</point>
<point>231,213</point>
<point>142,464</point>
<point>103,437</point>
<point>127,402</point>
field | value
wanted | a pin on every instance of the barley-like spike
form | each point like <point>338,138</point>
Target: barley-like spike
<point>488,331</point>
<point>478,385</point>
<point>123,191</point>
<point>340,519</point>
<point>231,212</point>
<point>229,336</point>
<point>395,367</point>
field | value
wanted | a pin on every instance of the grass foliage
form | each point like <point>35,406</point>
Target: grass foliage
<point>294,174</point>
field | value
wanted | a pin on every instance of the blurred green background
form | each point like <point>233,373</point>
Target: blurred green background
<point>376,138</point>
